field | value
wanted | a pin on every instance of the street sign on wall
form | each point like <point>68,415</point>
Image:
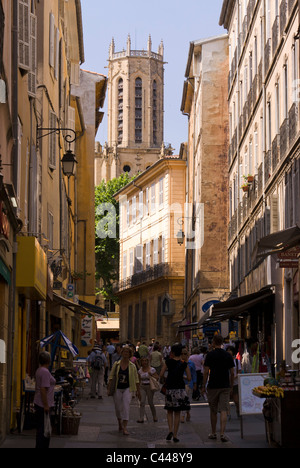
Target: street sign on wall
<point>290,258</point>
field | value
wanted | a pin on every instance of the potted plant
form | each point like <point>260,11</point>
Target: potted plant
<point>245,188</point>
<point>249,179</point>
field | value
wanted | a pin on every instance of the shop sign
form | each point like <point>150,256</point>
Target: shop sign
<point>32,269</point>
<point>4,223</point>
<point>70,291</point>
<point>290,258</point>
<point>87,331</point>
<point>2,352</point>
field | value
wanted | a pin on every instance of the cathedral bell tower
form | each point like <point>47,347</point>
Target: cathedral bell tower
<point>135,108</point>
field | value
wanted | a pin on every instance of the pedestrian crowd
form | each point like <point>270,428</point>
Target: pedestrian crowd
<point>140,371</point>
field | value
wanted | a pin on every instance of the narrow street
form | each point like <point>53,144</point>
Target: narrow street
<point>99,429</point>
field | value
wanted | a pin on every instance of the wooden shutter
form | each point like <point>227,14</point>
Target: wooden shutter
<point>56,64</point>
<point>24,34</point>
<point>52,141</point>
<point>155,252</point>
<point>33,56</point>
<point>275,226</point>
<point>138,259</point>
<point>51,40</point>
<point>71,123</point>
<point>148,255</point>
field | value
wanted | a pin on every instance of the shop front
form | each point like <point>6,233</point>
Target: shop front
<point>9,226</point>
<point>30,313</point>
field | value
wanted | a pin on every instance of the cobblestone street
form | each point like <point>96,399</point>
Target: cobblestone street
<point>99,429</point>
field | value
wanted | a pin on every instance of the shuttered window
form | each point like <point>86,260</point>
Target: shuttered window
<point>138,259</point>
<point>33,56</point>
<point>52,141</point>
<point>51,40</point>
<point>24,34</point>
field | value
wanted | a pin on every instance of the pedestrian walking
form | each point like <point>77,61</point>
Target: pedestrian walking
<point>97,362</point>
<point>110,349</point>
<point>107,367</point>
<point>146,372</point>
<point>125,378</point>
<point>219,374</point>
<point>198,360</point>
<point>166,351</point>
<point>43,399</point>
<point>176,399</point>
<point>156,359</point>
<point>190,386</point>
<point>116,356</point>
<point>143,350</point>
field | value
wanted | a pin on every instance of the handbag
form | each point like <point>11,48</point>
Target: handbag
<point>111,388</point>
<point>47,426</point>
<point>154,384</point>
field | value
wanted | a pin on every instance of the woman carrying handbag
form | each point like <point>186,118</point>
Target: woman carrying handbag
<point>149,385</point>
<point>123,382</point>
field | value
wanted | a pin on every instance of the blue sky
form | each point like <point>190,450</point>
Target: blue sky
<point>175,22</point>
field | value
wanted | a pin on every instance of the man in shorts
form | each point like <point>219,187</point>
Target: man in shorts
<point>219,373</point>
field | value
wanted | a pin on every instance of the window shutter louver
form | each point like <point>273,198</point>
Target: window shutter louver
<point>52,141</point>
<point>71,124</point>
<point>33,56</point>
<point>51,40</point>
<point>24,34</point>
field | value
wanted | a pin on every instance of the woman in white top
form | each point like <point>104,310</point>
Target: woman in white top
<point>145,372</point>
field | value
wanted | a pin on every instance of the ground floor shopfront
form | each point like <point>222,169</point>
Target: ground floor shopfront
<point>264,317</point>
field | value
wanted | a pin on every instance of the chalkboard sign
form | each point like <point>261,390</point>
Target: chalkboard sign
<point>250,404</point>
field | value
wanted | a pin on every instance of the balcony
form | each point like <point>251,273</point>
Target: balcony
<point>284,138</point>
<point>293,123</point>
<point>267,56</point>
<point>275,35</point>
<point>283,16</point>
<point>151,274</point>
<point>275,152</point>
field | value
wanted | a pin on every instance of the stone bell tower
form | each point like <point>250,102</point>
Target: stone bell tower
<point>135,108</point>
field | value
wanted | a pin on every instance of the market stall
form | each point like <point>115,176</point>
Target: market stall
<point>281,409</point>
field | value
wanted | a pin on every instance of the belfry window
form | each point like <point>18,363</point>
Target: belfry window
<point>154,115</point>
<point>138,110</point>
<point>120,111</point>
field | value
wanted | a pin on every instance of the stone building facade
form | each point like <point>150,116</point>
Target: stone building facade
<point>204,101</point>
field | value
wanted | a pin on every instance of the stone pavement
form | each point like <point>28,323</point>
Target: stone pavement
<point>99,429</point>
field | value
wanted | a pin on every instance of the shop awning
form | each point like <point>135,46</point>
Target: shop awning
<point>278,242</point>
<point>72,306</point>
<point>108,325</point>
<point>231,309</point>
<point>93,308</point>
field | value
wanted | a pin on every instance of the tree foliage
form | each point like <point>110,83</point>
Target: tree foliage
<point>107,222</point>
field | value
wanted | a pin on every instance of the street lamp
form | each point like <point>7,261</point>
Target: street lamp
<point>180,237</point>
<point>69,160</point>
<point>69,164</point>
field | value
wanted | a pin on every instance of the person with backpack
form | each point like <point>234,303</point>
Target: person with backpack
<point>98,363</point>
